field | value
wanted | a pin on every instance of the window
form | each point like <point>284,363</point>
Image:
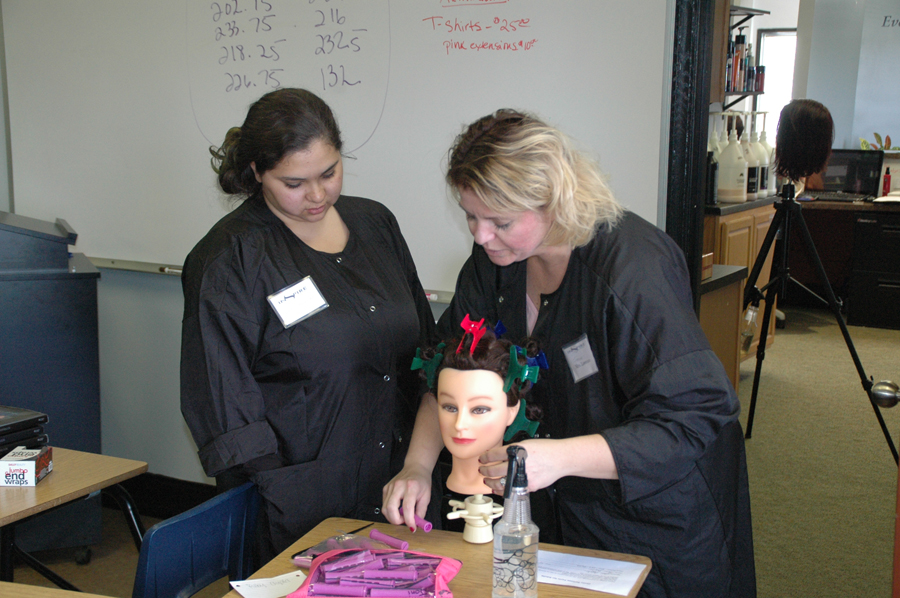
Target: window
<point>775,48</point>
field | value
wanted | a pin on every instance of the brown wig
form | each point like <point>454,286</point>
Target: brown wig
<point>804,139</point>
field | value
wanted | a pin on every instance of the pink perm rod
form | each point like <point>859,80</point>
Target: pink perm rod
<point>425,525</point>
<point>389,540</point>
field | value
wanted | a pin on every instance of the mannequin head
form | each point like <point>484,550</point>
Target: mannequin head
<point>474,410</point>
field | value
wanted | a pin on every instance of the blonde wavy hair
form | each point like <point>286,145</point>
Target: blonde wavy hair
<point>514,162</point>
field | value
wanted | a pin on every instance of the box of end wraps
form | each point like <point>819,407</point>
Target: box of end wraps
<point>26,467</point>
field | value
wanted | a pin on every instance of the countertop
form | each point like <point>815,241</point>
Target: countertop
<point>722,276</point>
<point>723,209</point>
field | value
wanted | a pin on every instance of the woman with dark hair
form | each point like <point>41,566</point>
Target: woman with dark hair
<point>302,312</point>
<point>639,442</point>
<point>804,139</point>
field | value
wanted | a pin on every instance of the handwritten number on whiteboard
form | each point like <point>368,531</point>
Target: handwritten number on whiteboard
<point>270,53</point>
<point>261,24</point>
<point>335,17</point>
<point>330,77</point>
<point>270,77</point>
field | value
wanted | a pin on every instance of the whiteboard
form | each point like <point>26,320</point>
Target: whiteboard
<point>113,104</point>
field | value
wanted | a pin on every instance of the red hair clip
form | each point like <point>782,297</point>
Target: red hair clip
<point>473,328</point>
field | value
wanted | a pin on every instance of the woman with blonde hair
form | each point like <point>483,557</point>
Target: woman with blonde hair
<point>639,442</point>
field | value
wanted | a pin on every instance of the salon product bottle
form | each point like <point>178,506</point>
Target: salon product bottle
<point>752,166</point>
<point>723,141</point>
<point>886,185</point>
<point>762,178</point>
<point>737,62</point>
<point>748,330</point>
<point>749,69</point>
<point>712,142</point>
<point>515,535</point>
<point>760,78</point>
<point>712,178</point>
<point>729,59</point>
<point>750,84</point>
<point>732,172</point>
<point>770,151</point>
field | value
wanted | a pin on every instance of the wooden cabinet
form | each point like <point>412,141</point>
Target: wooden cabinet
<point>734,233</point>
<point>721,300</point>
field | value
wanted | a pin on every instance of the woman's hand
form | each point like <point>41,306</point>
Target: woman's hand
<point>411,488</point>
<point>548,460</point>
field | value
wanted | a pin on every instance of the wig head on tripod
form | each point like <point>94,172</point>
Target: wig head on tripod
<point>804,139</point>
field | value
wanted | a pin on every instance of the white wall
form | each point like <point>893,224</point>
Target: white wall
<point>140,346</point>
<point>830,44</point>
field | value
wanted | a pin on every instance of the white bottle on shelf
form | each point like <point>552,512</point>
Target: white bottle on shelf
<point>732,172</point>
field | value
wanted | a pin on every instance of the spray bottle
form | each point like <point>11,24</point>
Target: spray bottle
<point>515,535</point>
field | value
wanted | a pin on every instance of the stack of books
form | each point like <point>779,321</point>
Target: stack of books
<point>21,427</point>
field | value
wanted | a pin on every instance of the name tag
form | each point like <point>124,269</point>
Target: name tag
<point>297,302</point>
<point>582,362</point>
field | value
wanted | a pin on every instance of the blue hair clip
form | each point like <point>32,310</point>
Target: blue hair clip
<point>539,360</point>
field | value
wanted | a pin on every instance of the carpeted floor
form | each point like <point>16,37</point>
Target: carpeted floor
<point>822,479</point>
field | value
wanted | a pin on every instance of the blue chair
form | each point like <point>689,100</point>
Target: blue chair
<point>182,555</point>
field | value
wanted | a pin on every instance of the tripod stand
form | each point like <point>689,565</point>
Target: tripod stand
<point>787,216</point>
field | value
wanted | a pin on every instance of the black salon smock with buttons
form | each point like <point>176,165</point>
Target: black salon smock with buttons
<point>660,398</point>
<point>329,399</point>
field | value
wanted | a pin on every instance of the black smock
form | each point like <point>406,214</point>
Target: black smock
<point>661,399</point>
<point>324,407</point>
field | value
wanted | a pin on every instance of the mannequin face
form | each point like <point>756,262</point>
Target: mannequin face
<point>472,411</point>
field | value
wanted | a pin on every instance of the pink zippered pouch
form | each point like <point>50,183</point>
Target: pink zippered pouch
<point>378,573</point>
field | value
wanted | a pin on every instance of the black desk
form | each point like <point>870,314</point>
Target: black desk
<point>858,244</point>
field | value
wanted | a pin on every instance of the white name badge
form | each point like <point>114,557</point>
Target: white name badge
<point>581,359</point>
<point>297,302</point>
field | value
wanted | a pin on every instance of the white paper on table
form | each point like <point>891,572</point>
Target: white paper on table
<point>273,587</point>
<point>601,575</point>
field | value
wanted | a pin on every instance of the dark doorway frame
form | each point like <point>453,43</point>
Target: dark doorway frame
<point>688,124</point>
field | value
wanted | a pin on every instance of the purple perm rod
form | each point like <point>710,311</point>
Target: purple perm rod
<point>330,589</point>
<point>425,525</point>
<point>349,561</point>
<point>389,540</point>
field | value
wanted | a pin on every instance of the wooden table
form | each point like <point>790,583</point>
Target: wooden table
<point>75,475</point>
<point>472,581</point>
<point>18,590</point>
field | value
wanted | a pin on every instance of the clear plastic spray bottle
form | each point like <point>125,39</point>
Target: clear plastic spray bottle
<point>515,535</point>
